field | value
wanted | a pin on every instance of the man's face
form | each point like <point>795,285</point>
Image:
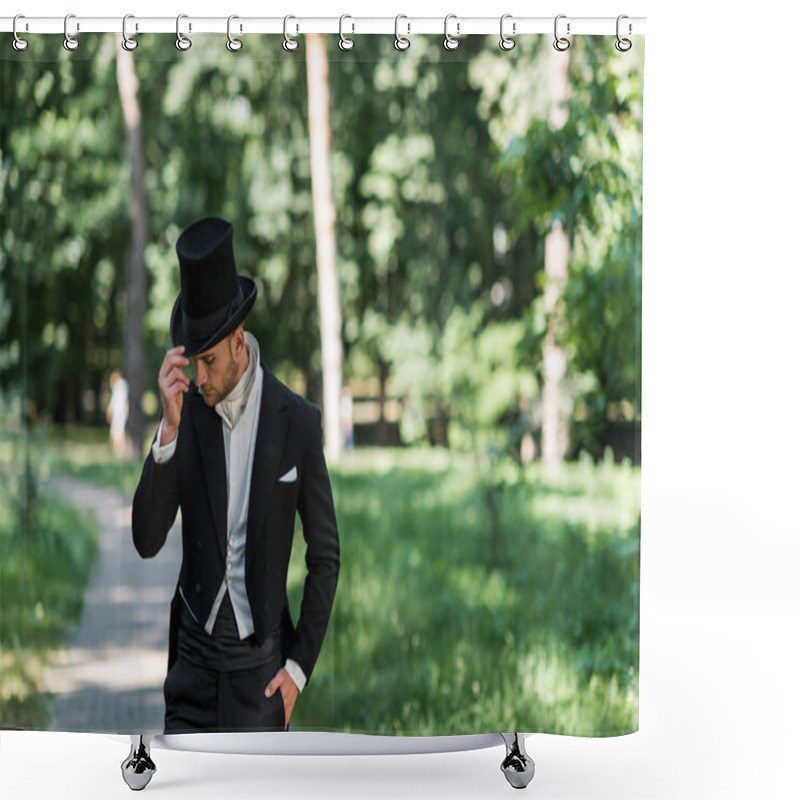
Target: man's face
<point>217,372</point>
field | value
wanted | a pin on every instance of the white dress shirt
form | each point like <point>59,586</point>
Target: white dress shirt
<point>239,412</point>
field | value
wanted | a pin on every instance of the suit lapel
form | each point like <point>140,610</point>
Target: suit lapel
<point>208,427</point>
<point>273,426</point>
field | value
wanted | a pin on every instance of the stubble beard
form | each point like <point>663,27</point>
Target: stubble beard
<point>229,381</point>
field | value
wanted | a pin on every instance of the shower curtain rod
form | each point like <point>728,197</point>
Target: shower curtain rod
<point>401,25</point>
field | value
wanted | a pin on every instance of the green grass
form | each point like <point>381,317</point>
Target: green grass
<point>83,453</point>
<point>454,618</point>
<point>46,553</point>
<point>471,598</point>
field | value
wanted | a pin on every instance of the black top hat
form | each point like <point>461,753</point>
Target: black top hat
<point>213,300</point>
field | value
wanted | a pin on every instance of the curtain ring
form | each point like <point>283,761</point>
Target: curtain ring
<point>289,42</point>
<point>182,42</point>
<point>345,42</point>
<point>450,42</point>
<point>70,42</point>
<point>560,43</point>
<point>506,42</point>
<point>18,43</point>
<point>233,44</point>
<point>128,42</point>
<point>623,45</point>
<point>401,42</point>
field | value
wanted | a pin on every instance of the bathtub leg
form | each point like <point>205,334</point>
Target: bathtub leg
<point>138,768</point>
<point>518,766</point>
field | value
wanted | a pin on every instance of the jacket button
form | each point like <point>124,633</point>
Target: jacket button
<point>198,544</point>
<point>198,588</point>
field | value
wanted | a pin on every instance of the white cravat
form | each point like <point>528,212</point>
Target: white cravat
<point>239,412</point>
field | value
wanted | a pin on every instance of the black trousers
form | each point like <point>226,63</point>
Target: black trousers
<point>217,683</point>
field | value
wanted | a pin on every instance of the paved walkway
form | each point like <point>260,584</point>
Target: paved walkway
<point>109,678</point>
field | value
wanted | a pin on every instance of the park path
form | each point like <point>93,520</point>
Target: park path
<point>109,676</point>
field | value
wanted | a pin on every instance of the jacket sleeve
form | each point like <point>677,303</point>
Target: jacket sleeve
<point>155,505</point>
<point>315,507</point>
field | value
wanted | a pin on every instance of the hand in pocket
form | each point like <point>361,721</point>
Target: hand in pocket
<point>287,689</point>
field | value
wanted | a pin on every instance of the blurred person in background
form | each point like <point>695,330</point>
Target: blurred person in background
<point>117,414</point>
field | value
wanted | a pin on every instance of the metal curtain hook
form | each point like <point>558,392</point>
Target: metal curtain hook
<point>70,42</point>
<point>18,43</point>
<point>506,42</point>
<point>233,44</point>
<point>345,42</point>
<point>182,42</point>
<point>450,42</point>
<point>289,43</point>
<point>561,43</point>
<point>401,42</point>
<point>623,45</point>
<point>128,42</point>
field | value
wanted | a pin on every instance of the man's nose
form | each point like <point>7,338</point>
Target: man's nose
<point>200,374</point>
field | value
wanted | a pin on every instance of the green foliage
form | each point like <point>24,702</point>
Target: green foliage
<point>46,553</point>
<point>471,378</point>
<point>487,383</point>
<point>429,636</point>
<point>63,204</point>
<point>603,302</point>
<point>446,177</point>
<point>588,174</point>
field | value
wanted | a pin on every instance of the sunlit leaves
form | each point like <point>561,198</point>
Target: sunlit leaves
<point>445,177</point>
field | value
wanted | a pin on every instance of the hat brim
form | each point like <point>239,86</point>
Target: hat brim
<point>193,347</point>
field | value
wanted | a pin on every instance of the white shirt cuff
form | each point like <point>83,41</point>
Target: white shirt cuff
<point>163,454</point>
<point>296,673</point>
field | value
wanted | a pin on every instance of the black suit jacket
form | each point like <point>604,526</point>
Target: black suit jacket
<point>194,480</point>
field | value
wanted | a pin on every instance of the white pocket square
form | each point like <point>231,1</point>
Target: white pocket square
<point>289,477</point>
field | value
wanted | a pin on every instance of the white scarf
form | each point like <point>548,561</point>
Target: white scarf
<point>231,408</point>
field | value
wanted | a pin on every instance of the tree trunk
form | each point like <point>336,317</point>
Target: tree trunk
<point>383,427</point>
<point>330,313</point>
<point>556,404</point>
<point>136,275</point>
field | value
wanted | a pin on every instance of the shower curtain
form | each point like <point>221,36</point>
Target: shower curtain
<point>446,245</point>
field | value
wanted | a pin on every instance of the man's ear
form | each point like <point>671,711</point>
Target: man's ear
<point>238,341</point>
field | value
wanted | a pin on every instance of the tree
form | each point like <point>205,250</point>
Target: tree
<point>556,406</point>
<point>423,215</point>
<point>136,276</point>
<point>64,230</point>
<point>329,304</point>
<point>585,172</point>
<point>450,185</point>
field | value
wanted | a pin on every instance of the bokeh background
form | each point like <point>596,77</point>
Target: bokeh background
<point>482,401</point>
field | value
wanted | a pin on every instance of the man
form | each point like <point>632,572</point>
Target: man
<point>239,454</point>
